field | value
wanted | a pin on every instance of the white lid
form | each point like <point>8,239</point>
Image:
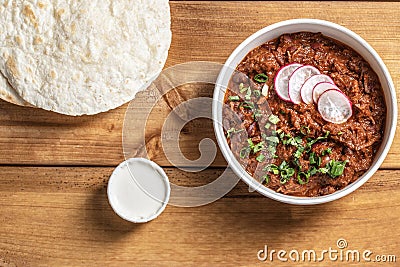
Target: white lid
<point>138,190</point>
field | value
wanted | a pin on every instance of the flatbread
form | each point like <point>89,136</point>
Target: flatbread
<point>7,93</point>
<point>82,57</point>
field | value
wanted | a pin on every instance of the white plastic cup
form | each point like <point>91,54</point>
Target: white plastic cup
<point>138,190</point>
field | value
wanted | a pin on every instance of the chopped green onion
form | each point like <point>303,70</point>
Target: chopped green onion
<point>244,152</point>
<point>248,105</point>
<point>306,176</point>
<point>319,161</point>
<point>250,142</point>
<point>282,135</point>
<point>275,171</point>
<point>231,131</point>
<point>234,98</point>
<point>272,168</point>
<point>340,133</point>
<point>257,93</point>
<point>258,147</point>
<point>272,139</point>
<point>261,78</point>
<point>242,89</point>
<point>260,158</point>
<point>336,168</point>
<point>324,170</point>
<point>272,150</point>
<point>257,113</point>
<point>283,165</point>
<point>286,172</point>
<point>304,130</point>
<point>294,141</point>
<point>313,141</point>
<point>327,151</point>
<point>265,178</point>
<point>248,94</point>
<point>273,119</point>
<point>298,140</point>
<point>228,133</point>
<point>267,125</point>
<point>312,158</point>
<point>298,152</point>
<point>312,171</point>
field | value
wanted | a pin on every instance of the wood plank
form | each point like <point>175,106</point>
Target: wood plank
<point>60,216</point>
<point>201,31</point>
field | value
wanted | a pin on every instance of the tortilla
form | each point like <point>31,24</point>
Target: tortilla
<point>7,93</point>
<point>82,57</point>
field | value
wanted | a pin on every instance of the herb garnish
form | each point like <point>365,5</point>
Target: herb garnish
<point>244,152</point>
<point>284,170</point>
<point>319,161</point>
<point>257,113</point>
<point>260,158</point>
<point>336,168</point>
<point>306,175</point>
<point>265,178</point>
<point>232,130</point>
<point>234,98</point>
<point>246,104</point>
<point>255,147</point>
<point>327,151</point>
<point>304,130</point>
<point>313,141</point>
<point>242,89</point>
<point>272,139</point>
<point>333,168</point>
<point>248,94</point>
<point>273,119</point>
<point>312,158</point>
<point>261,78</point>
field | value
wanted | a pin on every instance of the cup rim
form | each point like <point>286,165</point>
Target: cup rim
<point>165,180</point>
<point>238,169</point>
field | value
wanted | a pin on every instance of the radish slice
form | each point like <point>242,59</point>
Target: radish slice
<point>334,106</point>
<point>320,88</point>
<point>297,80</point>
<point>282,78</point>
<point>306,90</point>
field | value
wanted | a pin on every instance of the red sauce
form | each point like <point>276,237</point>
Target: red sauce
<point>354,142</point>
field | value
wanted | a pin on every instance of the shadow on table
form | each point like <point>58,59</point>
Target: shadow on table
<point>252,214</point>
<point>100,217</point>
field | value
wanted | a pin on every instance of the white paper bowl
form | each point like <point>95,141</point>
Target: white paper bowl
<point>332,30</point>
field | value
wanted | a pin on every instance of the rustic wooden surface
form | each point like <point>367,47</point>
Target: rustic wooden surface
<point>54,169</point>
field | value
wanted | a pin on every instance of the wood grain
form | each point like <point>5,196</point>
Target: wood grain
<point>54,169</point>
<point>201,31</point>
<point>60,216</point>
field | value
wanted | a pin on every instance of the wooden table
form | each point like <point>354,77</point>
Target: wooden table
<point>54,169</point>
